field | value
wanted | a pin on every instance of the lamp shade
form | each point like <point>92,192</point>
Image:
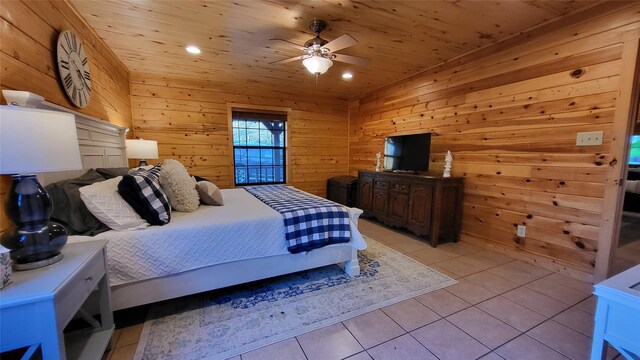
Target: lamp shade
<point>317,64</point>
<point>37,141</point>
<point>142,149</point>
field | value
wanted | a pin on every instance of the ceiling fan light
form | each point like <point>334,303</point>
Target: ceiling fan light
<point>317,64</point>
<point>191,49</point>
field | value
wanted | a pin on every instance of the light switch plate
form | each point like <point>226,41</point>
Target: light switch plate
<point>522,231</point>
<point>589,138</point>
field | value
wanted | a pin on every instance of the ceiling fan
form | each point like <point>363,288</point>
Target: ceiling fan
<point>319,53</point>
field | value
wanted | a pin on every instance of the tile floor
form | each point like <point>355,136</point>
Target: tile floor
<point>500,309</point>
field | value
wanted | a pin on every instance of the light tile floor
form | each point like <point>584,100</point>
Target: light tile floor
<point>501,309</point>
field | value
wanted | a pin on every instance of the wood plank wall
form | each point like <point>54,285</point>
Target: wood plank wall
<point>189,119</point>
<point>29,32</point>
<point>510,114</point>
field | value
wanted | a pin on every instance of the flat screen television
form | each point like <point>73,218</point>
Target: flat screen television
<point>634,156</point>
<point>408,153</point>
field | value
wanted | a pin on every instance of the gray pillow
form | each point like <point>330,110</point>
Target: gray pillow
<point>209,193</point>
<point>69,210</point>
<point>110,173</point>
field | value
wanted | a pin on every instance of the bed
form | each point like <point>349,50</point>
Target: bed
<point>191,254</point>
<point>211,248</point>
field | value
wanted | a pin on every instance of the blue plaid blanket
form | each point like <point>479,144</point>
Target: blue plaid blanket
<point>310,222</point>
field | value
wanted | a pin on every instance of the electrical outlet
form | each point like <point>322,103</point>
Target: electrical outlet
<point>589,138</point>
<point>522,231</point>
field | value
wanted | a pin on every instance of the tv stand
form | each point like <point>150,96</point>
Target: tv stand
<point>425,205</point>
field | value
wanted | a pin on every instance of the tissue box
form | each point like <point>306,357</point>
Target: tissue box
<point>5,267</point>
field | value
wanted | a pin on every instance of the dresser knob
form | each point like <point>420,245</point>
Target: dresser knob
<point>89,278</point>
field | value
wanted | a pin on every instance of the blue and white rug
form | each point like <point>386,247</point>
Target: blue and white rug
<point>224,323</point>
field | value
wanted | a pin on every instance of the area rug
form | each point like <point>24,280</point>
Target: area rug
<point>224,323</point>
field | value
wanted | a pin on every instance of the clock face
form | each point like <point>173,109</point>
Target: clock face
<point>73,66</point>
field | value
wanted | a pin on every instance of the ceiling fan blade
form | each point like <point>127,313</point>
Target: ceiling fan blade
<point>287,60</point>
<point>357,60</point>
<point>300,47</point>
<point>342,42</point>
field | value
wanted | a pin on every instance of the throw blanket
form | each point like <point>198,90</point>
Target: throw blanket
<point>310,222</point>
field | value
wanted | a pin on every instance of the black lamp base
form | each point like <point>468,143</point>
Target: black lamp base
<point>34,241</point>
<point>38,264</point>
<point>142,163</point>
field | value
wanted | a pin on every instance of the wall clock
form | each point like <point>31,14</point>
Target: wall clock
<point>73,67</point>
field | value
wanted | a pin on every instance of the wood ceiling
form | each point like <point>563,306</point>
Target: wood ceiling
<point>400,37</point>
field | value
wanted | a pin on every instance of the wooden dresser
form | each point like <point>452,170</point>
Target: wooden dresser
<point>425,205</point>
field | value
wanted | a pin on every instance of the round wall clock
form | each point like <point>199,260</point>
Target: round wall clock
<point>73,67</point>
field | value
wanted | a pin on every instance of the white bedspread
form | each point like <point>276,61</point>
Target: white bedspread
<point>244,228</point>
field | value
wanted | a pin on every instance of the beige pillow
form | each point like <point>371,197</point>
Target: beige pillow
<point>632,186</point>
<point>179,186</point>
<point>105,203</point>
<point>209,193</point>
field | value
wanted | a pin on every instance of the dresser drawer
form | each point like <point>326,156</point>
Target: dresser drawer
<point>78,287</point>
<point>400,186</point>
<point>380,184</point>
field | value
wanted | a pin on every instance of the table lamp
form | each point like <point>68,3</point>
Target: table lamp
<point>142,149</point>
<point>34,141</point>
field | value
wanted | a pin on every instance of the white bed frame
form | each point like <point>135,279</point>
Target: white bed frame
<point>103,145</point>
<point>231,273</point>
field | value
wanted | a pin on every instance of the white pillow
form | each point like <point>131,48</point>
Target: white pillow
<point>179,186</point>
<point>632,186</point>
<point>105,203</point>
<point>209,193</point>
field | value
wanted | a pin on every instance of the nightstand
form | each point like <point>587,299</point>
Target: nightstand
<point>38,305</point>
<point>617,319</point>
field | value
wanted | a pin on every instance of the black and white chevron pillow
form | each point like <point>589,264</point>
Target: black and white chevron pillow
<point>141,189</point>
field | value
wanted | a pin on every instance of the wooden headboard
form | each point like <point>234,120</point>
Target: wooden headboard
<point>102,144</point>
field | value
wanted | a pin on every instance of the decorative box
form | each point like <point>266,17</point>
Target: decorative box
<point>343,190</point>
<point>5,267</point>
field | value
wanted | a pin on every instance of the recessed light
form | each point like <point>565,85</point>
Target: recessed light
<point>193,49</point>
<point>347,75</point>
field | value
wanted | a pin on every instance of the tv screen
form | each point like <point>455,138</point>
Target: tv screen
<point>407,152</point>
<point>634,156</point>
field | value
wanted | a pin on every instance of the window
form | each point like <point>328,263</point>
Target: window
<point>259,148</point>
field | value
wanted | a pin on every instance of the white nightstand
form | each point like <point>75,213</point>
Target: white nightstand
<point>38,305</point>
<point>617,319</point>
